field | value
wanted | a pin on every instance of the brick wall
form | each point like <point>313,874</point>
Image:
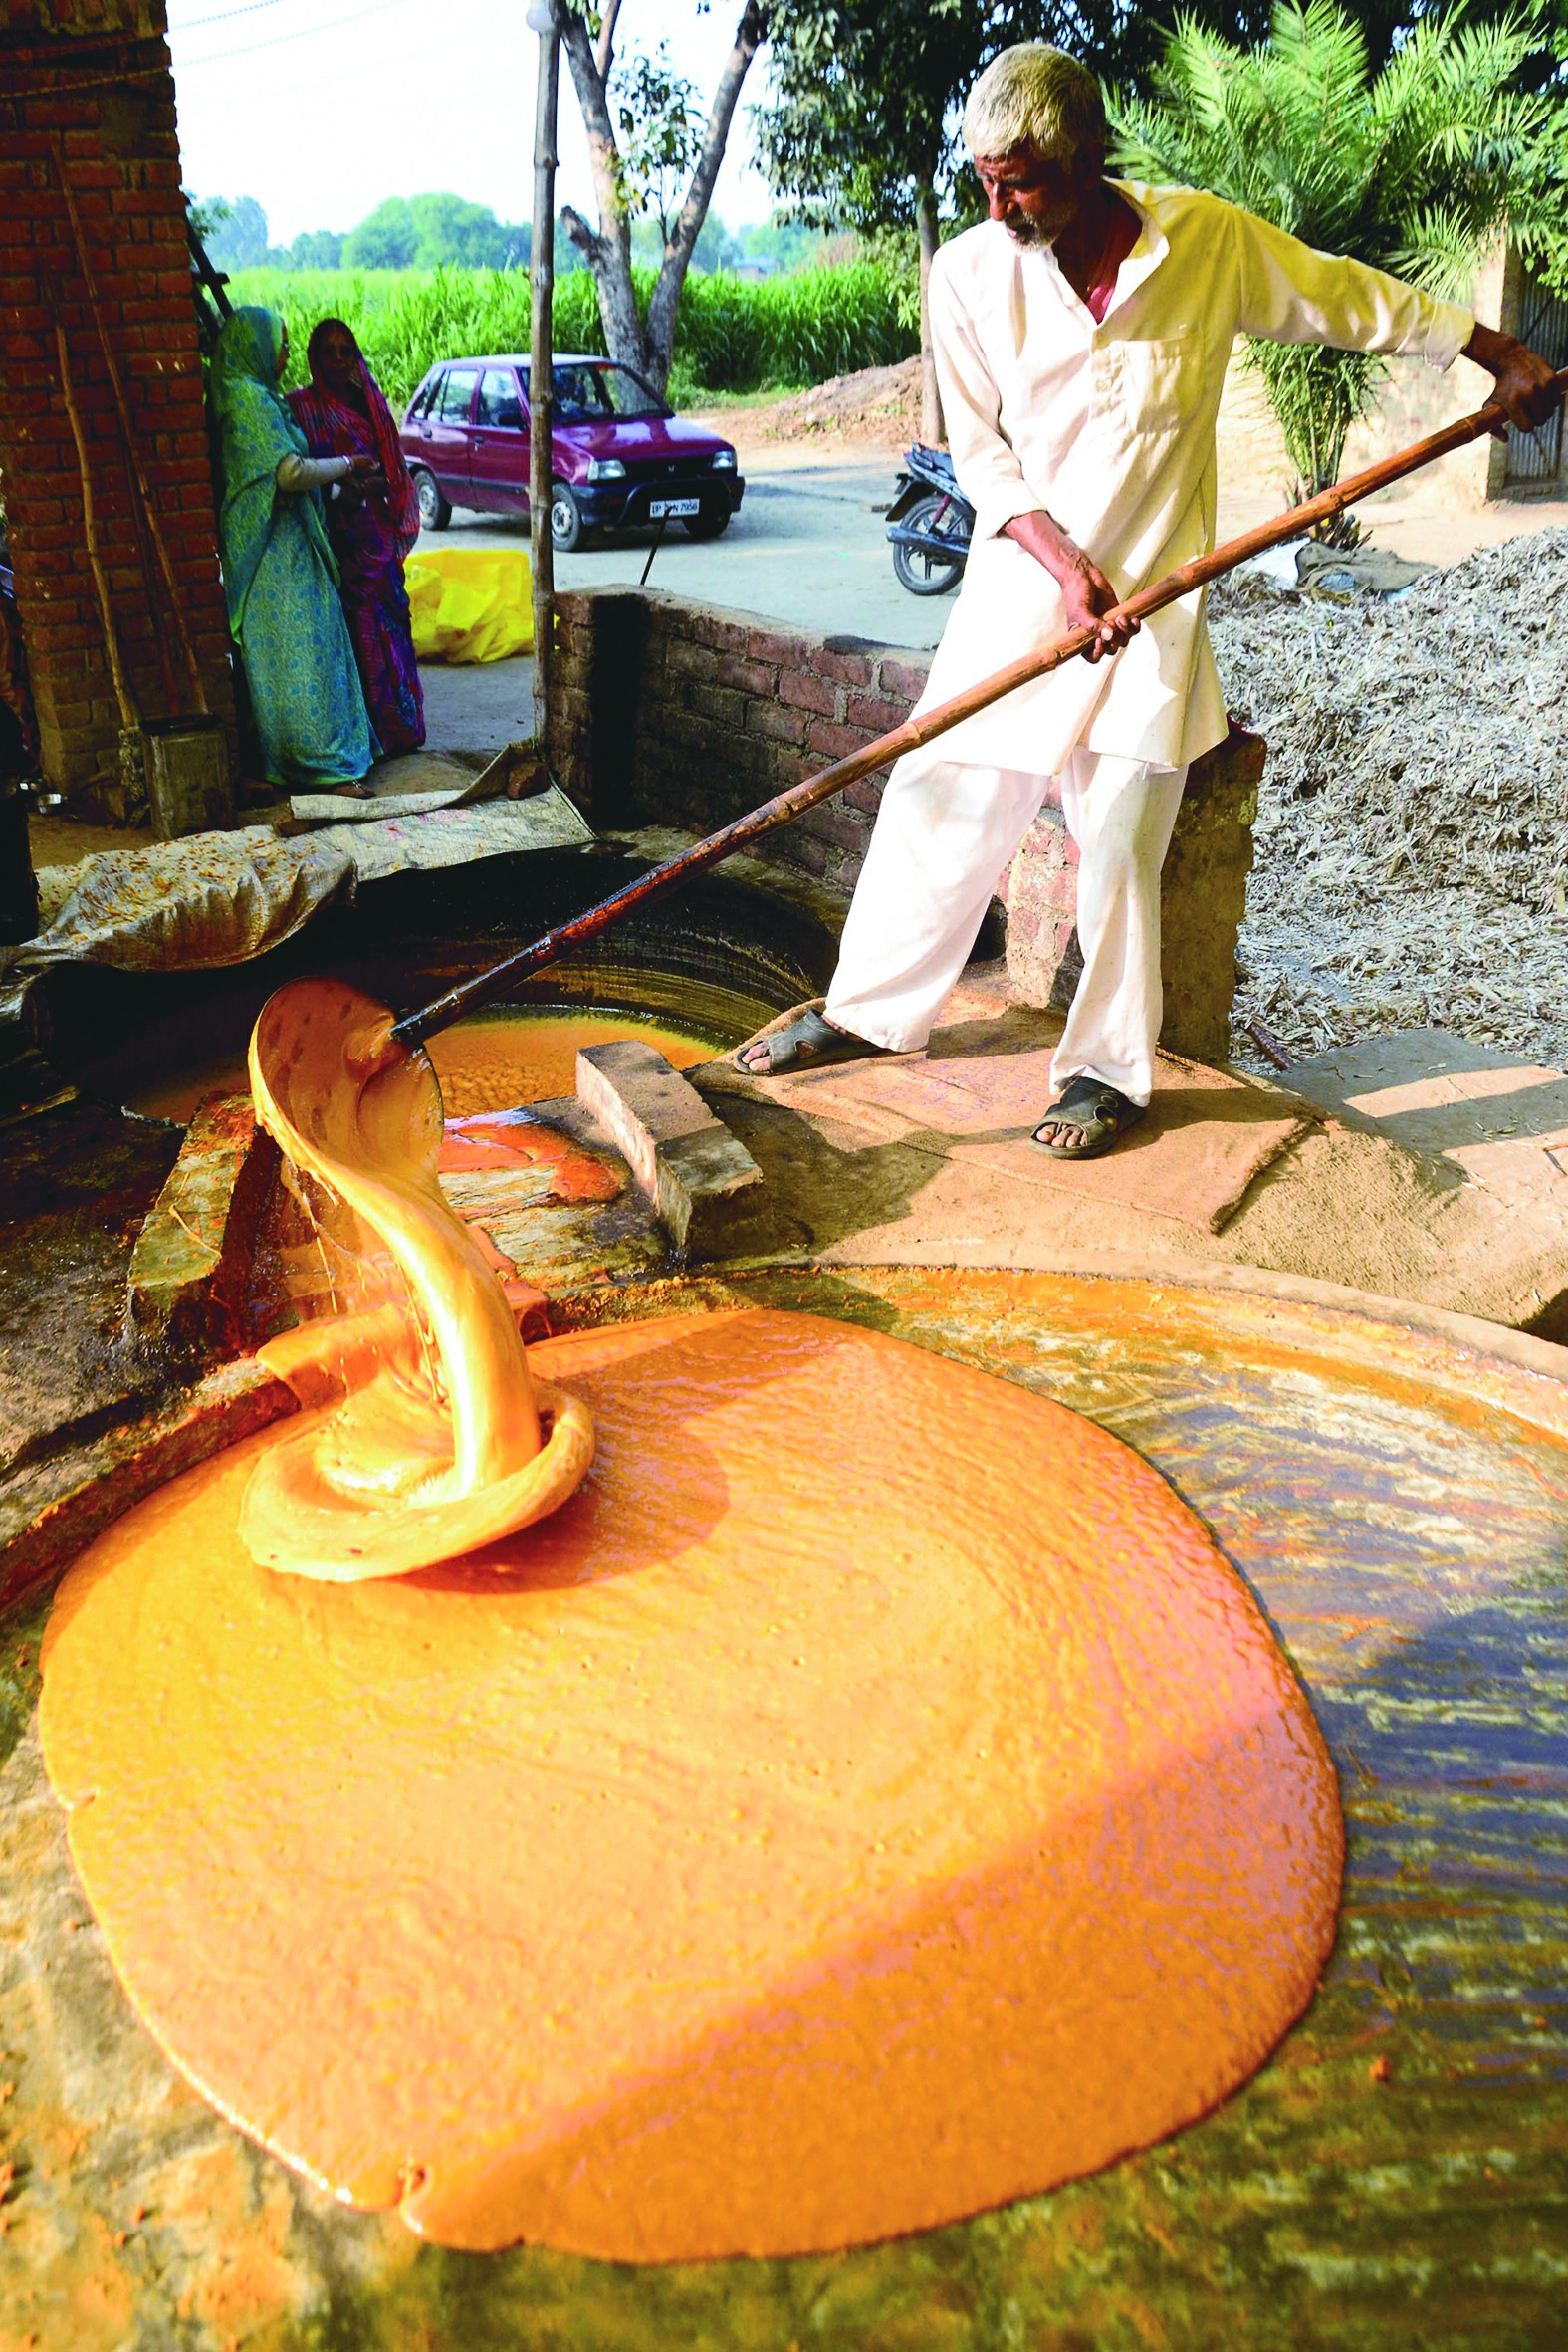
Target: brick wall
<point>674,713</point>
<point>86,89</point>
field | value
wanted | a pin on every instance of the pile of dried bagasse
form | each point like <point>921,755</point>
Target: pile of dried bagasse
<point>1413,833</point>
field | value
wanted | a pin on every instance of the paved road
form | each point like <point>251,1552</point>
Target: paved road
<point>808,547</point>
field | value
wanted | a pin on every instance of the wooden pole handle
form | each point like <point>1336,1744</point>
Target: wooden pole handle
<point>915,733</point>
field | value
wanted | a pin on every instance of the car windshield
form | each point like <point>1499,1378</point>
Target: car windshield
<point>593,393</point>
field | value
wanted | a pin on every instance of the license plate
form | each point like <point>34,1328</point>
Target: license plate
<point>658,507</point>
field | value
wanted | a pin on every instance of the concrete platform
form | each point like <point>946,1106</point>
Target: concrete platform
<point>1502,1121</point>
<point>863,1170</point>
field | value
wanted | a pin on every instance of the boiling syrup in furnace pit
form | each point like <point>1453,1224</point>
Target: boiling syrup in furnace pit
<point>510,1054</point>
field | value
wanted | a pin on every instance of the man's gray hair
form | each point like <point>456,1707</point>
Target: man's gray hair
<point>1034,96</point>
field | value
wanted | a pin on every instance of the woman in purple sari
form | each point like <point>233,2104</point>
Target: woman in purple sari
<point>342,414</point>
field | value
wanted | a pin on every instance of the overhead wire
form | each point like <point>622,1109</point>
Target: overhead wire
<point>197,22</point>
<point>282,40</point>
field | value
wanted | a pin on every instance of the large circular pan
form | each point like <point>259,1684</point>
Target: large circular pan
<point>871,1799</point>
<point>1394,1490</point>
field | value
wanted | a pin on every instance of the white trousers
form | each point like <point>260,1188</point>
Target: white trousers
<point>944,835</point>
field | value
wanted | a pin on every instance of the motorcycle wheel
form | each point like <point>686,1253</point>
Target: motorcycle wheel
<point>929,569</point>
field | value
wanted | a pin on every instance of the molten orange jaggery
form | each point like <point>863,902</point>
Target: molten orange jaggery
<point>433,1444</point>
<point>870,1798</point>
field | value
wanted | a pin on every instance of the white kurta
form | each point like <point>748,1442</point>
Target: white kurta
<point>1111,430</point>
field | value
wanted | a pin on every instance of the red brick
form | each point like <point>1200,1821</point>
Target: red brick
<point>869,710</point>
<point>722,704</point>
<point>779,726</point>
<point>845,669</point>
<point>153,309</point>
<point>725,637</point>
<point>809,694</point>
<point>845,829</point>
<point>903,677</point>
<point>834,742</point>
<point>769,645</point>
<point>751,677</point>
<point>693,662</point>
<point>811,857</point>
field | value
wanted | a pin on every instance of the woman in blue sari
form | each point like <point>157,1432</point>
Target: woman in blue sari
<point>279,572</point>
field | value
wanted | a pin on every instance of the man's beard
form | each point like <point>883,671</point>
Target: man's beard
<point>1025,231</point>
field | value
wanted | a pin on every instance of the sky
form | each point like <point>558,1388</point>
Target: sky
<point>318,109</point>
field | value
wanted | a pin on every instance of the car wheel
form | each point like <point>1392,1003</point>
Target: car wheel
<point>567,527</point>
<point>711,523</point>
<point>927,570</point>
<point>434,511</point>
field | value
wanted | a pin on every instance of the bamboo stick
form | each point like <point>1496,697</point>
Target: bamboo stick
<point>129,718</point>
<point>915,733</point>
<point>543,17</point>
<point>139,477</point>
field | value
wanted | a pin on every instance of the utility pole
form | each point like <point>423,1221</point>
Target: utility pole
<point>543,18</point>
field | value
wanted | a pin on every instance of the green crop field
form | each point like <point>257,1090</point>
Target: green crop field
<point>735,334</point>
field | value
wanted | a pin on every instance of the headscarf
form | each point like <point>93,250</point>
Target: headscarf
<point>327,421</point>
<point>255,432</point>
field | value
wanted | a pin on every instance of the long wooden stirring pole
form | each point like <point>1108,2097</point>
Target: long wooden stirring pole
<point>414,1027</point>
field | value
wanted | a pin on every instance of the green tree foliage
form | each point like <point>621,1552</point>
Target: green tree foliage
<point>1543,239</point>
<point>1416,169</point>
<point>317,249</point>
<point>384,240</point>
<point>428,232</point>
<point>235,232</point>
<point>858,121</point>
<point>661,134</point>
<point>864,98</point>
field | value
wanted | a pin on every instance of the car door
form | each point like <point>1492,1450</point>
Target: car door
<point>442,432</point>
<point>497,465</point>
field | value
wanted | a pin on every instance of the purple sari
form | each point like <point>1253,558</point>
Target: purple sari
<point>370,537</point>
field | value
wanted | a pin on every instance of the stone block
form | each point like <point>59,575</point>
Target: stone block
<point>705,1183</point>
<point>191,1261</point>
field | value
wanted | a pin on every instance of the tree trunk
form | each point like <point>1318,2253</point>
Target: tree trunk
<point>933,427</point>
<point>664,307</point>
<point>607,249</point>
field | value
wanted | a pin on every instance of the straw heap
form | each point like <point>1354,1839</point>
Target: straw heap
<point>1413,833</point>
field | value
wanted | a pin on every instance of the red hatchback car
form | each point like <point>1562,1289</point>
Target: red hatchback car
<point>618,454</point>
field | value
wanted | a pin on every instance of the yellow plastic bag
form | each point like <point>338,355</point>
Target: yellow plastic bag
<point>471,604</point>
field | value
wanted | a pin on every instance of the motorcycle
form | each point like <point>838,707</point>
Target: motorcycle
<point>929,524</point>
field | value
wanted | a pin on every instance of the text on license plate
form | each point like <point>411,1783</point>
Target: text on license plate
<point>674,506</point>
